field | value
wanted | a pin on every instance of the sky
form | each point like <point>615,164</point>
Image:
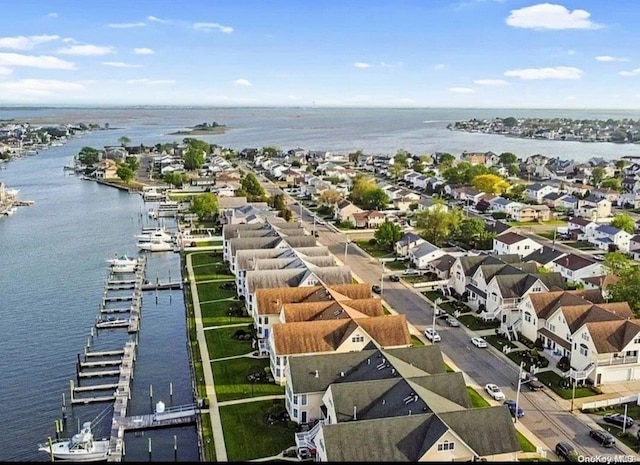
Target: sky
<point>324,53</point>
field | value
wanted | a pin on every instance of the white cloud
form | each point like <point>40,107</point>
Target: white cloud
<point>397,64</point>
<point>440,66</point>
<point>126,25</point>
<point>69,40</point>
<point>4,71</point>
<point>120,64</point>
<point>361,65</point>
<point>461,90</point>
<point>31,61</point>
<point>610,58</point>
<point>40,87</point>
<point>86,50</point>
<point>155,19</point>
<point>210,26</point>
<point>550,16</point>
<point>633,72</point>
<point>25,42</point>
<point>52,15</point>
<point>242,82</point>
<point>491,82</point>
<point>151,81</point>
<point>558,72</point>
<point>143,51</point>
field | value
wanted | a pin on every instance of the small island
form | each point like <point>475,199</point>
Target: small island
<point>620,131</point>
<point>203,129</point>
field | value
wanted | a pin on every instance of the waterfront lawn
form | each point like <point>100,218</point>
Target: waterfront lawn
<point>217,313</point>
<point>477,401</point>
<point>247,435</point>
<point>525,444</point>
<point>415,341</point>
<point>476,324</point>
<point>207,436</point>
<point>221,343</point>
<point>374,250</point>
<point>211,291</point>
<point>555,381</point>
<point>206,258</point>
<point>231,379</point>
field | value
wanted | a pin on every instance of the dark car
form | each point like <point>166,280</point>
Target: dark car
<point>512,408</point>
<point>375,288</point>
<point>532,382</point>
<point>394,278</point>
<point>618,419</point>
<point>566,451</point>
<point>602,437</point>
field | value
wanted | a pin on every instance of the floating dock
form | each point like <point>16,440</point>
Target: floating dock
<point>162,286</point>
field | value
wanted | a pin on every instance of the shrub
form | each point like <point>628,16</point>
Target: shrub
<point>372,241</point>
<point>564,363</point>
<point>539,344</point>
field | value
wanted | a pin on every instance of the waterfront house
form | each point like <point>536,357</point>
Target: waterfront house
<point>514,243</point>
<point>574,267</point>
<point>593,208</point>
<point>106,169</point>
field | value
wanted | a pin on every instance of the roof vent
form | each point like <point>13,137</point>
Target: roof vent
<point>342,374</point>
<point>368,361</point>
<point>384,401</point>
<point>409,412</point>
<point>317,374</point>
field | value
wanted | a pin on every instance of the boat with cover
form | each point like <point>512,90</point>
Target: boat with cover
<point>155,245</point>
<point>82,447</point>
<point>123,264</point>
<point>158,233</point>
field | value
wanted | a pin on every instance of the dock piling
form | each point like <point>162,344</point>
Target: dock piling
<point>57,430</point>
<point>64,408</point>
<point>171,393</point>
<point>51,448</point>
<point>149,449</point>
<point>175,448</point>
<point>71,389</point>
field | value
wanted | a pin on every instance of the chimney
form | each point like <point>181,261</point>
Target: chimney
<point>354,413</point>
<point>317,373</point>
<point>342,374</point>
<point>409,412</point>
<point>368,361</point>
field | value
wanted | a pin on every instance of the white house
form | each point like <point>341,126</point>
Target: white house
<point>611,238</point>
<point>574,267</point>
<point>514,243</point>
<point>423,253</point>
<point>537,191</point>
<point>407,242</point>
<point>593,208</point>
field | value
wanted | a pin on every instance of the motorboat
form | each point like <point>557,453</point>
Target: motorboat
<point>123,264</point>
<point>10,211</point>
<point>112,322</point>
<point>82,447</point>
<point>158,233</point>
<point>155,245</point>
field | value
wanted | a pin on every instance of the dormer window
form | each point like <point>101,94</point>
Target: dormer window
<point>357,338</point>
<point>446,445</point>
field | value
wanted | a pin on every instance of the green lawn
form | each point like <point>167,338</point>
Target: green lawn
<point>580,245</point>
<point>432,295</point>
<point>415,341</point>
<point>537,223</point>
<point>373,250</point>
<point>554,381</point>
<point>231,379</point>
<point>396,265</point>
<point>415,279</point>
<point>476,324</point>
<point>207,436</point>
<point>633,410</point>
<point>248,436</point>
<point>208,266</point>
<point>216,314</point>
<point>221,343</point>
<point>477,401</point>
<point>499,342</point>
<point>206,258</point>
<point>525,444</point>
<point>212,291</point>
<point>547,234</point>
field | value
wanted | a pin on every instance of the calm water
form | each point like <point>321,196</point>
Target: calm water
<point>52,254</point>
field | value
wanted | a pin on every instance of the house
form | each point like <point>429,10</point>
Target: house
<point>464,268</point>
<point>544,257</point>
<point>601,283</point>
<point>407,242</point>
<point>344,209</point>
<point>427,203</point>
<point>581,229</point>
<point>593,208</point>
<point>634,247</point>
<point>629,200</point>
<point>502,205</point>
<point>558,200</point>
<point>467,194</point>
<point>370,219</point>
<point>536,192</point>
<point>423,253</point>
<point>631,184</point>
<point>605,193</point>
<point>575,268</point>
<point>577,188</point>
<point>536,165</point>
<point>106,169</point>
<point>474,158</point>
<point>334,336</point>
<point>529,213</point>
<point>441,266</point>
<point>513,243</point>
<point>610,238</point>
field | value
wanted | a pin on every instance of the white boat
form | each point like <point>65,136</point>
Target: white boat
<point>158,233</point>
<point>155,245</point>
<point>80,448</point>
<point>10,211</point>
<point>123,264</point>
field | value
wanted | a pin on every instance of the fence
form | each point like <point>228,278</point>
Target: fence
<point>611,402</point>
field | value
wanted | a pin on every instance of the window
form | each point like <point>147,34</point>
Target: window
<point>584,350</point>
<point>446,445</point>
<point>528,304</point>
<point>526,247</point>
<point>537,289</point>
<point>585,336</point>
<point>357,338</point>
<point>551,327</point>
<point>636,340</point>
<point>303,399</point>
<point>527,317</point>
<point>295,413</point>
<point>278,372</point>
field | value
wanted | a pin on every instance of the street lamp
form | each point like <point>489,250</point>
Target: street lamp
<point>520,383</point>
<point>435,310</point>
<point>346,248</point>
<point>382,278</point>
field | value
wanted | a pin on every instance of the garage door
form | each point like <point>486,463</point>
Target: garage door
<point>611,376</point>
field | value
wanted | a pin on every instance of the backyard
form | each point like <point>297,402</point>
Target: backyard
<point>221,343</point>
<point>555,382</point>
<point>217,313</point>
<point>374,250</point>
<point>231,381</point>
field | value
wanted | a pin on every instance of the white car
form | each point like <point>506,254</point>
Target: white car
<point>432,335</point>
<point>479,342</point>
<point>494,391</point>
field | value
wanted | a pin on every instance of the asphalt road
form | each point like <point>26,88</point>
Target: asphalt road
<point>544,416</point>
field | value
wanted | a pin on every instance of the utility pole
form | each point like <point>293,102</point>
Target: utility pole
<point>435,310</point>
<point>573,393</point>
<point>382,280</point>
<point>346,248</point>
<point>518,392</point>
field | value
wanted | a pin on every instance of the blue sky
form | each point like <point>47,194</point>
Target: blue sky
<point>362,53</point>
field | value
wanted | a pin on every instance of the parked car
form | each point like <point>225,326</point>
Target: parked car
<point>432,335</point>
<point>602,437</point>
<point>494,391</point>
<point>394,278</point>
<point>512,408</point>
<point>375,288</point>
<point>451,321</point>
<point>566,451</point>
<point>532,382</point>
<point>618,419</point>
<point>411,272</point>
<point>479,342</point>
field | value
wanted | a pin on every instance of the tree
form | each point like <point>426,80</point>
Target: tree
<point>286,213</point>
<point>510,122</point>
<point>516,193</point>
<point>205,205</point>
<point>396,169</point>
<point>437,224</point>
<point>133,163</point>
<point>623,221</point>
<point>375,199</point>
<point>125,173</point>
<point>124,141</point>
<point>597,175</point>
<point>402,158</point>
<point>612,183</point>
<point>270,151</point>
<point>174,178</point>
<point>353,156</point>
<point>469,231</point>
<point>513,170</point>
<point>89,156</point>
<point>617,263</point>
<point>490,183</point>
<point>278,202</point>
<point>329,197</point>
<point>620,164</point>
<point>387,234</point>
<point>196,153</point>
<point>626,289</point>
<point>508,158</point>
<point>446,160</point>
<point>418,166</point>
<point>252,188</point>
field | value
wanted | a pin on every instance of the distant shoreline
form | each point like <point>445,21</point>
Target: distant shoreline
<point>198,131</point>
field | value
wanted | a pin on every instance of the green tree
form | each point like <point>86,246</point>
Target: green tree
<point>402,158</point>
<point>270,151</point>
<point>125,173</point>
<point>133,163</point>
<point>396,170</point>
<point>174,178</point>
<point>597,176</point>
<point>627,289</point>
<point>508,158</point>
<point>516,193</point>
<point>278,202</point>
<point>620,164</point>
<point>286,213</point>
<point>196,153</point>
<point>361,184</point>
<point>623,221</point>
<point>470,231</point>
<point>418,166</point>
<point>617,263</point>
<point>612,183</point>
<point>387,234</point>
<point>446,160</point>
<point>353,156</point>
<point>89,156</point>
<point>513,170</point>
<point>252,188</point>
<point>490,183</point>
<point>124,141</point>
<point>437,225</point>
<point>205,205</point>
<point>374,199</point>
<point>510,122</point>
<point>329,197</point>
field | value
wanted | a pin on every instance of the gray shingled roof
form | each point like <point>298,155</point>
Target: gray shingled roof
<point>543,256</point>
<point>253,243</point>
<point>274,278</point>
<point>423,249</point>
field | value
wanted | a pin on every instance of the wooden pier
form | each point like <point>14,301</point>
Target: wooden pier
<point>114,283</point>
<point>95,387</point>
<point>100,363</point>
<point>117,298</point>
<point>98,373</point>
<point>115,310</point>
<point>104,353</point>
<point>162,286</point>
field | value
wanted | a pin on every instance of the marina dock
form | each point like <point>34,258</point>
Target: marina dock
<point>162,286</point>
<point>116,282</point>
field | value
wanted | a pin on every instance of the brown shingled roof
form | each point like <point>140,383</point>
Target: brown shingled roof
<point>270,301</point>
<point>613,336</point>
<point>353,291</point>
<point>578,315</point>
<point>510,238</point>
<point>545,303</point>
